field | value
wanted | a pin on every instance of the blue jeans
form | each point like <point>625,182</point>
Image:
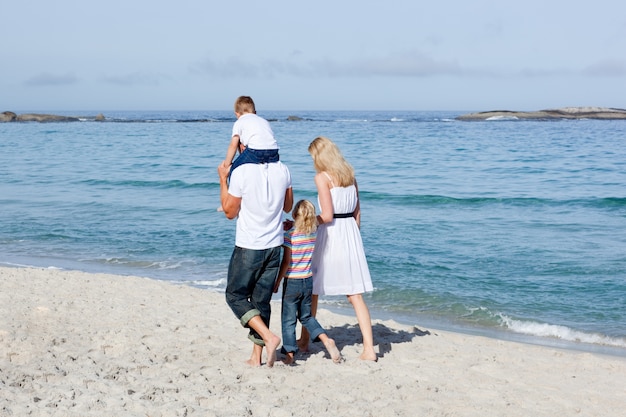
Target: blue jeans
<point>251,276</point>
<point>297,306</point>
<point>255,156</point>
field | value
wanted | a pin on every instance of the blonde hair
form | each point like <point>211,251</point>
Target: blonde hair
<point>328,158</point>
<point>244,104</point>
<point>304,217</point>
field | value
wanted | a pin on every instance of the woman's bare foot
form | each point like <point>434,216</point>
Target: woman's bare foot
<point>288,359</point>
<point>369,355</point>
<point>331,347</point>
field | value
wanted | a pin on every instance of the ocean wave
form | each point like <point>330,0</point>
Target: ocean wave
<point>174,184</point>
<point>218,284</point>
<point>606,202</point>
<point>560,332</point>
<point>159,120</point>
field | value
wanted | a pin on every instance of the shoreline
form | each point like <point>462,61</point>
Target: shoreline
<point>346,310</point>
<point>76,344</point>
<point>495,334</point>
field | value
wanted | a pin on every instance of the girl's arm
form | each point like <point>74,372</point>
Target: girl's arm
<point>284,266</point>
<point>326,202</point>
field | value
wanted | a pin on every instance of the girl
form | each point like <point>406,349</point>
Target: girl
<point>298,284</point>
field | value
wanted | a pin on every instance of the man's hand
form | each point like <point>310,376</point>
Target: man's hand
<point>230,205</point>
<point>223,170</point>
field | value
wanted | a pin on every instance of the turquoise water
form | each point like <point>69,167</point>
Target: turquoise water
<point>509,228</point>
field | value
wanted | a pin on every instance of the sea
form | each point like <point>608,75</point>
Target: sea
<point>510,229</point>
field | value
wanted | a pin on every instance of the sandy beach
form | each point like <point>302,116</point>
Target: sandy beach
<point>78,344</point>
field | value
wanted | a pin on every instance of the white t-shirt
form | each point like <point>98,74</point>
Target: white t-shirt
<point>254,132</point>
<point>261,188</point>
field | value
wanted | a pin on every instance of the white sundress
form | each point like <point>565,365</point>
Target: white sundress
<point>339,264</point>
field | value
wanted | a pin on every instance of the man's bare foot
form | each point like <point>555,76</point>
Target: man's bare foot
<point>331,347</point>
<point>255,357</point>
<point>271,346</point>
<point>288,359</point>
<point>369,355</point>
<point>253,363</point>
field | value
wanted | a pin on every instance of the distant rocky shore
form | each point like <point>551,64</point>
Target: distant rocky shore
<point>9,116</point>
<point>602,113</point>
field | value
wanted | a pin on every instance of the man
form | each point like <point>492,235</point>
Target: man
<point>257,194</point>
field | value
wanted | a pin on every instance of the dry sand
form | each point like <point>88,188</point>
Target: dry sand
<point>78,344</point>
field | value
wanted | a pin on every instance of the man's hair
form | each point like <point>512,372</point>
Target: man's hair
<point>244,104</point>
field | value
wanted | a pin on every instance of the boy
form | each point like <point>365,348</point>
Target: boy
<point>252,136</point>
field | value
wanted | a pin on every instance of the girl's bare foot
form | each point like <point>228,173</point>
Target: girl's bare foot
<point>331,347</point>
<point>288,359</point>
<point>303,345</point>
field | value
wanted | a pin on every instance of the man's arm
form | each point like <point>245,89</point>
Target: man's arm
<point>230,204</point>
<point>288,205</point>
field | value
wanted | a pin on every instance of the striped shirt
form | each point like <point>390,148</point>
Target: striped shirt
<point>301,245</point>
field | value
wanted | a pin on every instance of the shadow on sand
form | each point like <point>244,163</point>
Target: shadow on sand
<point>384,337</point>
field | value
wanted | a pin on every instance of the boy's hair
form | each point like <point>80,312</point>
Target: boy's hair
<point>304,217</point>
<point>244,104</point>
<point>328,158</point>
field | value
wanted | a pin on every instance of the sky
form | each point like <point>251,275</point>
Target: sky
<point>319,55</point>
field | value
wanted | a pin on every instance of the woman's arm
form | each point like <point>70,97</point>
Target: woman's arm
<point>326,202</point>
<point>357,210</point>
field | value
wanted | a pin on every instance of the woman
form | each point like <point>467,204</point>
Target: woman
<point>339,264</point>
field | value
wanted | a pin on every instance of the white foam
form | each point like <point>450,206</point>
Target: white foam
<point>217,283</point>
<point>560,332</point>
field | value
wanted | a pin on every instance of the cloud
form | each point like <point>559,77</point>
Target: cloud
<point>47,79</point>
<point>543,73</point>
<point>410,64</point>
<point>608,68</point>
<point>135,78</point>
<point>231,68</point>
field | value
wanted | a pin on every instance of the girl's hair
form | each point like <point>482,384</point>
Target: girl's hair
<point>328,158</point>
<point>244,104</point>
<point>304,217</point>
